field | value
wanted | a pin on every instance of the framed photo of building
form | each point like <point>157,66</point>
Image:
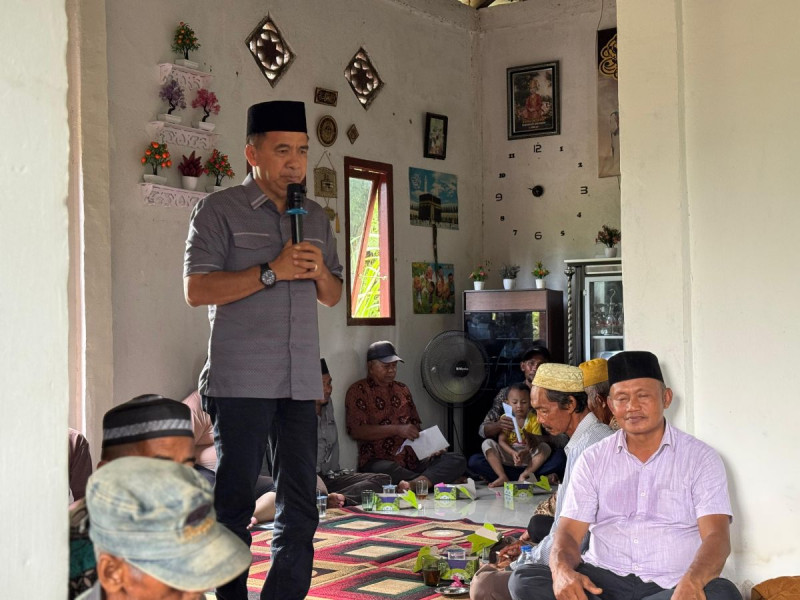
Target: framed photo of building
<point>534,101</point>
<point>434,198</point>
<point>435,136</point>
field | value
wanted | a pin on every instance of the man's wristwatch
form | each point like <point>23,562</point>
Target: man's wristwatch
<point>268,277</point>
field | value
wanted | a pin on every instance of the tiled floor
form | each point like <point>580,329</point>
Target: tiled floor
<point>490,507</point>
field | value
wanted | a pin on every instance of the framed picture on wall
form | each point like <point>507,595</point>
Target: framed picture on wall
<point>435,136</point>
<point>534,102</point>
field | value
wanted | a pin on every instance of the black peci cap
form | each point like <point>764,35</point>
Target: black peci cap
<point>633,364</point>
<point>278,115</point>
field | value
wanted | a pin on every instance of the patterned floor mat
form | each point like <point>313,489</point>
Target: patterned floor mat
<point>361,556</point>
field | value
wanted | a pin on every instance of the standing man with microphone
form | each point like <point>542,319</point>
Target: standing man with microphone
<point>261,377</point>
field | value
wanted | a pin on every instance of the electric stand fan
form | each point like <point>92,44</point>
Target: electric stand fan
<point>454,369</point>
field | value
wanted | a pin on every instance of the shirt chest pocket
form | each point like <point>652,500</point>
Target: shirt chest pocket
<point>672,506</point>
<point>252,248</point>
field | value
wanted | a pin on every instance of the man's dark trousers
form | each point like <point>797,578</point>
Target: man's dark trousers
<point>535,582</point>
<point>242,429</point>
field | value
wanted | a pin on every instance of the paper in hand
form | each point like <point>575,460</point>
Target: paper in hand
<point>430,441</point>
<point>509,410</point>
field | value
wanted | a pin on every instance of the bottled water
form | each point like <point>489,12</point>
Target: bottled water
<point>525,556</point>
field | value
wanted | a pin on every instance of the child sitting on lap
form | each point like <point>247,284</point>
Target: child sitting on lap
<point>530,452</point>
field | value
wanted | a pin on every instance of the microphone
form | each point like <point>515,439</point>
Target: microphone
<point>295,194</point>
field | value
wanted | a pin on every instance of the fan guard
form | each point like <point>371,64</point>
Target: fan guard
<point>453,368</point>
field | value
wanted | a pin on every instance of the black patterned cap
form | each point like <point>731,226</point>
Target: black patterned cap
<point>633,364</point>
<point>145,418</point>
<point>278,115</point>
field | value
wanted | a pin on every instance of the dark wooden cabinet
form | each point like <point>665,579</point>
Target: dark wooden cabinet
<point>505,323</point>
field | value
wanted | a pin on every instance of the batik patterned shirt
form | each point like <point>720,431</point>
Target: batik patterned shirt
<point>368,403</point>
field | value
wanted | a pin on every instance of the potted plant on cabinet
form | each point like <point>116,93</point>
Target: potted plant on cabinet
<point>208,102</point>
<point>609,237</point>
<point>509,274</point>
<point>172,93</point>
<point>540,273</point>
<point>479,275</point>
<point>156,155</point>
<point>218,166</point>
<point>191,169</point>
<point>183,42</point>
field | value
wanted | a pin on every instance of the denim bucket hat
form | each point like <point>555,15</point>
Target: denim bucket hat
<point>159,516</point>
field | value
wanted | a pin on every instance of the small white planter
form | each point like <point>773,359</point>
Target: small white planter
<point>167,118</point>
<point>185,62</point>
<point>189,182</point>
<point>150,178</point>
<point>540,284</point>
<point>204,125</point>
<point>509,284</point>
<point>214,188</point>
<point>610,252</point>
<point>478,285</point>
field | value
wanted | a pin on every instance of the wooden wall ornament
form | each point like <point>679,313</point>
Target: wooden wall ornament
<point>327,97</point>
<point>270,50</point>
<point>327,131</point>
<point>363,78</point>
<point>326,187</point>
<point>352,133</point>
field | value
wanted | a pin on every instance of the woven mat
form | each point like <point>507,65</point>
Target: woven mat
<point>360,556</point>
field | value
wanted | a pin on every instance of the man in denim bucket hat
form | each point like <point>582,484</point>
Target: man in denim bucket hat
<point>156,534</point>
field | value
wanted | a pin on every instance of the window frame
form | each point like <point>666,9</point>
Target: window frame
<point>381,175</point>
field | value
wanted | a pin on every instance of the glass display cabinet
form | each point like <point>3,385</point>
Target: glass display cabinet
<point>595,311</point>
<point>505,323</point>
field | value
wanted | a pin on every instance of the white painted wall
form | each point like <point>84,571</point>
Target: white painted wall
<point>710,146</point>
<point>531,33</point>
<point>33,299</point>
<point>424,52</point>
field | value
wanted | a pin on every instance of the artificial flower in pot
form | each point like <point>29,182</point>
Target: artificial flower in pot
<point>609,237</point>
<point>208,102</point>
<point>156,155</point>
<point>479,275</point>
<point>183,42</point>
<point>509,274</point>
<point>220,167</point>
<point>539,272</point>
<point>191,169</point>
<point>172,93</point>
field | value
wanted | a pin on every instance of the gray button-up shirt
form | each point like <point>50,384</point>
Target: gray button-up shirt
<point>267,344</point>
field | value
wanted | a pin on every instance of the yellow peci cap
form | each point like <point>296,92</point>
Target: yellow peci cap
<point>594,371</point>
<point>559,378</point>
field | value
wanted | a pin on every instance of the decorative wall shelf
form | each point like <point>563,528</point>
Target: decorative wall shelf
<point>181,135</point>
<point>188,79</point>
<point>170,197</point>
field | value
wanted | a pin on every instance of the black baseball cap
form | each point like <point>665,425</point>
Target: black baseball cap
<point>383,351</point>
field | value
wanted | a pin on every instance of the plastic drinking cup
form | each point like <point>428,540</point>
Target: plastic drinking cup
<point>421,489</point>
<point>368,500</point>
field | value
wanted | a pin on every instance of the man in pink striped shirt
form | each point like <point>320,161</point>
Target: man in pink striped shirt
<point>654,499</point>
